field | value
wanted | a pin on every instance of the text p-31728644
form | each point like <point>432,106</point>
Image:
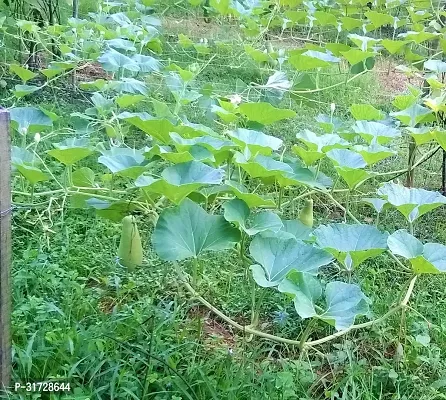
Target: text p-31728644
<point>42,386</point>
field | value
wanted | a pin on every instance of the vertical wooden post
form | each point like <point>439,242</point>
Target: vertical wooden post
<point>5,250</point>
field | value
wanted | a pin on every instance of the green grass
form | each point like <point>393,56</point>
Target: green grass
<point>80,317</point>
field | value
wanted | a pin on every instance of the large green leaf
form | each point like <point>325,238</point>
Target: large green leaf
<point>158,128</point>
<point>238,212</point>
<point>425,259</point>
<point>422,135</point>
<point>257,142</point>
<point>305,63</point>
<point>345,302</point>
<point>305,290</point>
<point>276,257</point>
<point>23,73</point>
<point>196,153</point>
<point>250,198</point>
<point>179,180</point>
<point>272,170</point>
<point>291,229</point>
<point>265,113</point>
<point>349,166</point>
<point>71,150</point>
<point>146,63</point>
<point>322,143</point>
<point>209,142</point>
<point>317,145</point>
<point>365,112</point>
<point>412,203</point>
<point>412,115</point>
<point>29,119</point>
<point>114,61</point>
<point>31,173</point>
<point>351,244</point>
<point>188,231</point>
<point>375,131</point>
<point>373,153</point>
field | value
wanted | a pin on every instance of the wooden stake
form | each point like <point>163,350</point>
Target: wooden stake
<point>5,251</point>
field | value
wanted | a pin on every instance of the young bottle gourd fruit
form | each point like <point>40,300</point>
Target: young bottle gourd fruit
<point>306,215</point>
<point>130,247</point>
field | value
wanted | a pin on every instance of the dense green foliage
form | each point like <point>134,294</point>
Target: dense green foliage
<point>277,235</point>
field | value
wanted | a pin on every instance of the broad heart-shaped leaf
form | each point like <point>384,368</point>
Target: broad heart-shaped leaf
<point>238,212</point>
<point>251,199</point>
<point>146,63</point>
<point>305,63</point>
<point>349,166</point>
<point>291,229</point>
<point>196,153</point>
<point>422,135</point>
<point>83,177</point>
<point>127,165</point>
<point>71,150</point>
<point>412,115</point>
<point>365,112</point>
<point>375,131</point>
<point>437,66</point>
<point>211,143</point>
<point>20,155</point>
<point>329,123</point>
<point>377,204</point>
<point>345,302</point>
<point>265,113</point>
<point>257,142</point>
<point>276,257</point>
<point>188,231</point>
<point>32,174</point>
<point>412,203</point>
<point>158,128</point>
<point>24,90</point>
<point>273,170</point>
<point>351,244</point>
<point>355,56</point>
<point>113,61</point>
<point>23,73</point>
<point>321,143</point>
<point>29,119</point>
<point>425,259</point>
<point>393,46</point>
<point>373,153</point>
<point>305,290</point>
<point>179,180</point>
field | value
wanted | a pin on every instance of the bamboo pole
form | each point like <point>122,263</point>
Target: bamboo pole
<point>5,251</point>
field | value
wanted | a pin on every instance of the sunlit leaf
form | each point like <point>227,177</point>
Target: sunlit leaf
<point>265,113</point>
<point>277,257</point>
<point>29,119</point>
<point>257,142</point>
<point>411,202</point>
<point>179,180</point>
<point>238,212</point>
<point>189,231</point>
<point>345,302</point>
<point>375,131</point>
<point>71,150</point>
<point>351,244</point>
<point>425,259</point>
<point>305,289</point>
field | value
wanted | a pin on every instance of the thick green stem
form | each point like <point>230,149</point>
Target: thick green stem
<point>250,330</point>
<point>410,163</point>
<point>279,202</point>
<point>411,227</point>
<point>305,334</point>
<point>195,271</point>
